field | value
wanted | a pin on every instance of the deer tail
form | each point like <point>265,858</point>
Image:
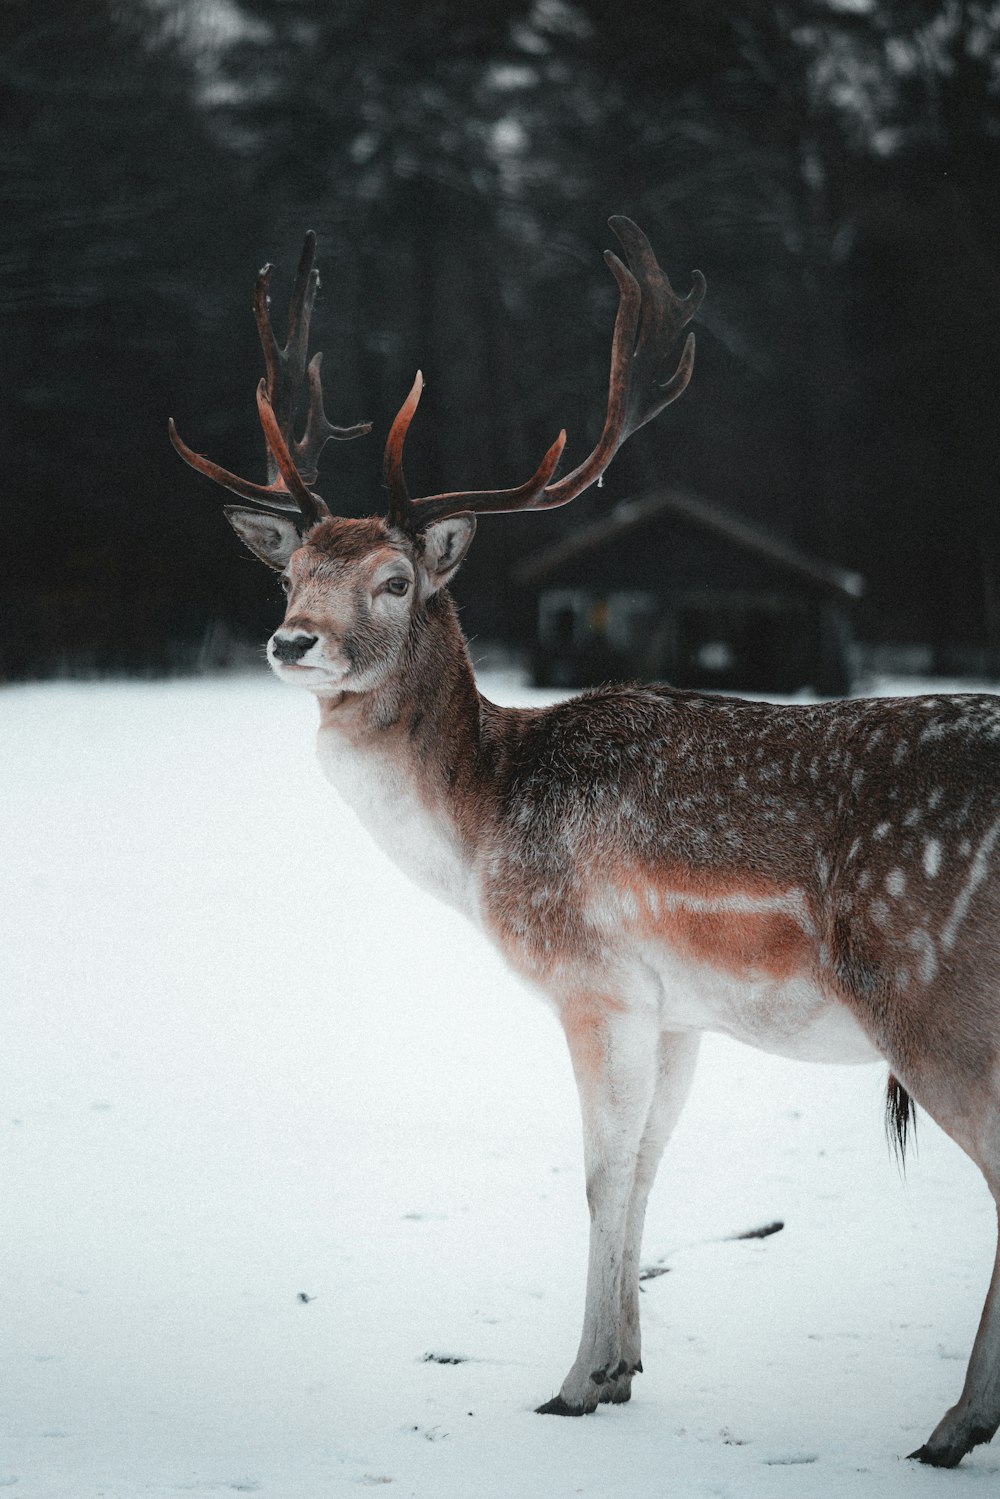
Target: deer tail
<point>900,1118</point>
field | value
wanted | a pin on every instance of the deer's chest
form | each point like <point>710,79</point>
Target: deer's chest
<point>383,798</point>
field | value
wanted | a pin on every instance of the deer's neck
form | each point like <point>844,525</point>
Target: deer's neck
<point>416,758</point>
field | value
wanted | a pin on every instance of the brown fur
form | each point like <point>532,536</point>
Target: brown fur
<point>349,541</point>
<point>852,848</point>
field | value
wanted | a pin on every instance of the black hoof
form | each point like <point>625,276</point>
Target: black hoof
<point>557,1406</point>
<point>945,1459</point>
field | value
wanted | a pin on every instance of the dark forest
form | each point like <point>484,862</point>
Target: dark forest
<point>833,169</point>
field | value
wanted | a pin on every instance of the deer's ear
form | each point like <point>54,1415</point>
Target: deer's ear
<point>445,545</point>
<point>270,537</point>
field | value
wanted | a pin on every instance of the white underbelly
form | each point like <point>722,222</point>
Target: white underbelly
<point>788,1017</point>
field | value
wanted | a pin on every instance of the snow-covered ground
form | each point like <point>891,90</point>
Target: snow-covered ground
<point>245,1064</point>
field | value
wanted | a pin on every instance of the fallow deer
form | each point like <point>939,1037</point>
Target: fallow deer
<point>821,881</point>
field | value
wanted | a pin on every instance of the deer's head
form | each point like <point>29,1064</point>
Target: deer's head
<point>358,588</point>
<point>354,589</point>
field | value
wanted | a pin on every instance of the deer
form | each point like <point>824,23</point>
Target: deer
<point>820,880</point>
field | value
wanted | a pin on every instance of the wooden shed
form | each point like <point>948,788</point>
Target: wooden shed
<point>735,608</point>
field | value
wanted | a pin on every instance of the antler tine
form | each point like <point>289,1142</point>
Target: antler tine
<point>400,504</point>
<point>273,498</point>
<point>413,515</point>
<point>649,320</point>
<point>319,429</point>
<point>287,369</point>
<point>311,507</point>
<point>291,465</point>
<point>304,289</point>
<point>286,366</point>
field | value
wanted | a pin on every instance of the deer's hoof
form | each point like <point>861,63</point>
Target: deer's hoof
<point>952,1439</point>
<point>936,1458</point>
<point>557,1406</point>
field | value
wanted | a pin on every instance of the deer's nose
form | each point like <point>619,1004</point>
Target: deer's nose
<point>293,647</point>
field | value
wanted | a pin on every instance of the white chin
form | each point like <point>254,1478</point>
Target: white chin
<point>313,678</point>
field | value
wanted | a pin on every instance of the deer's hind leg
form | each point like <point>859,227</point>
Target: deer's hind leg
<point>941,1038</point>
<point>627,1112</point>
<point>975,1417</point>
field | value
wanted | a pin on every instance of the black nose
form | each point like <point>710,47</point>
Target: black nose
<point>293,649</point>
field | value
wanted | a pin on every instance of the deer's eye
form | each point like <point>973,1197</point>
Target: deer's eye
<point>398,586</point>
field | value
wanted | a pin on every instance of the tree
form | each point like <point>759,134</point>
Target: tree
<point>118,200</point>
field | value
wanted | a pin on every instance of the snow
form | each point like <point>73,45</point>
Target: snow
<point>244,1062</point>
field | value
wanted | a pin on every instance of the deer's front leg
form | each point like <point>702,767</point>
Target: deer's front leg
<point>614,1055</point>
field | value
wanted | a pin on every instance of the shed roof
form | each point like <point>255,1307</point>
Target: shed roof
<point>630,515</point>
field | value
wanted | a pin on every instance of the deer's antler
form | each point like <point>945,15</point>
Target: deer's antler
<point>650,319</point>
<point>291,464</point>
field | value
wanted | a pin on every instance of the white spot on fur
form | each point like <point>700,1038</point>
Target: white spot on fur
<point>934,730</point>
<point>879,912</point>
<point>922,944</point>
<point>932,857</point>
<point>895,882</point>
<point>882,829</point>
<point>978,870</point>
